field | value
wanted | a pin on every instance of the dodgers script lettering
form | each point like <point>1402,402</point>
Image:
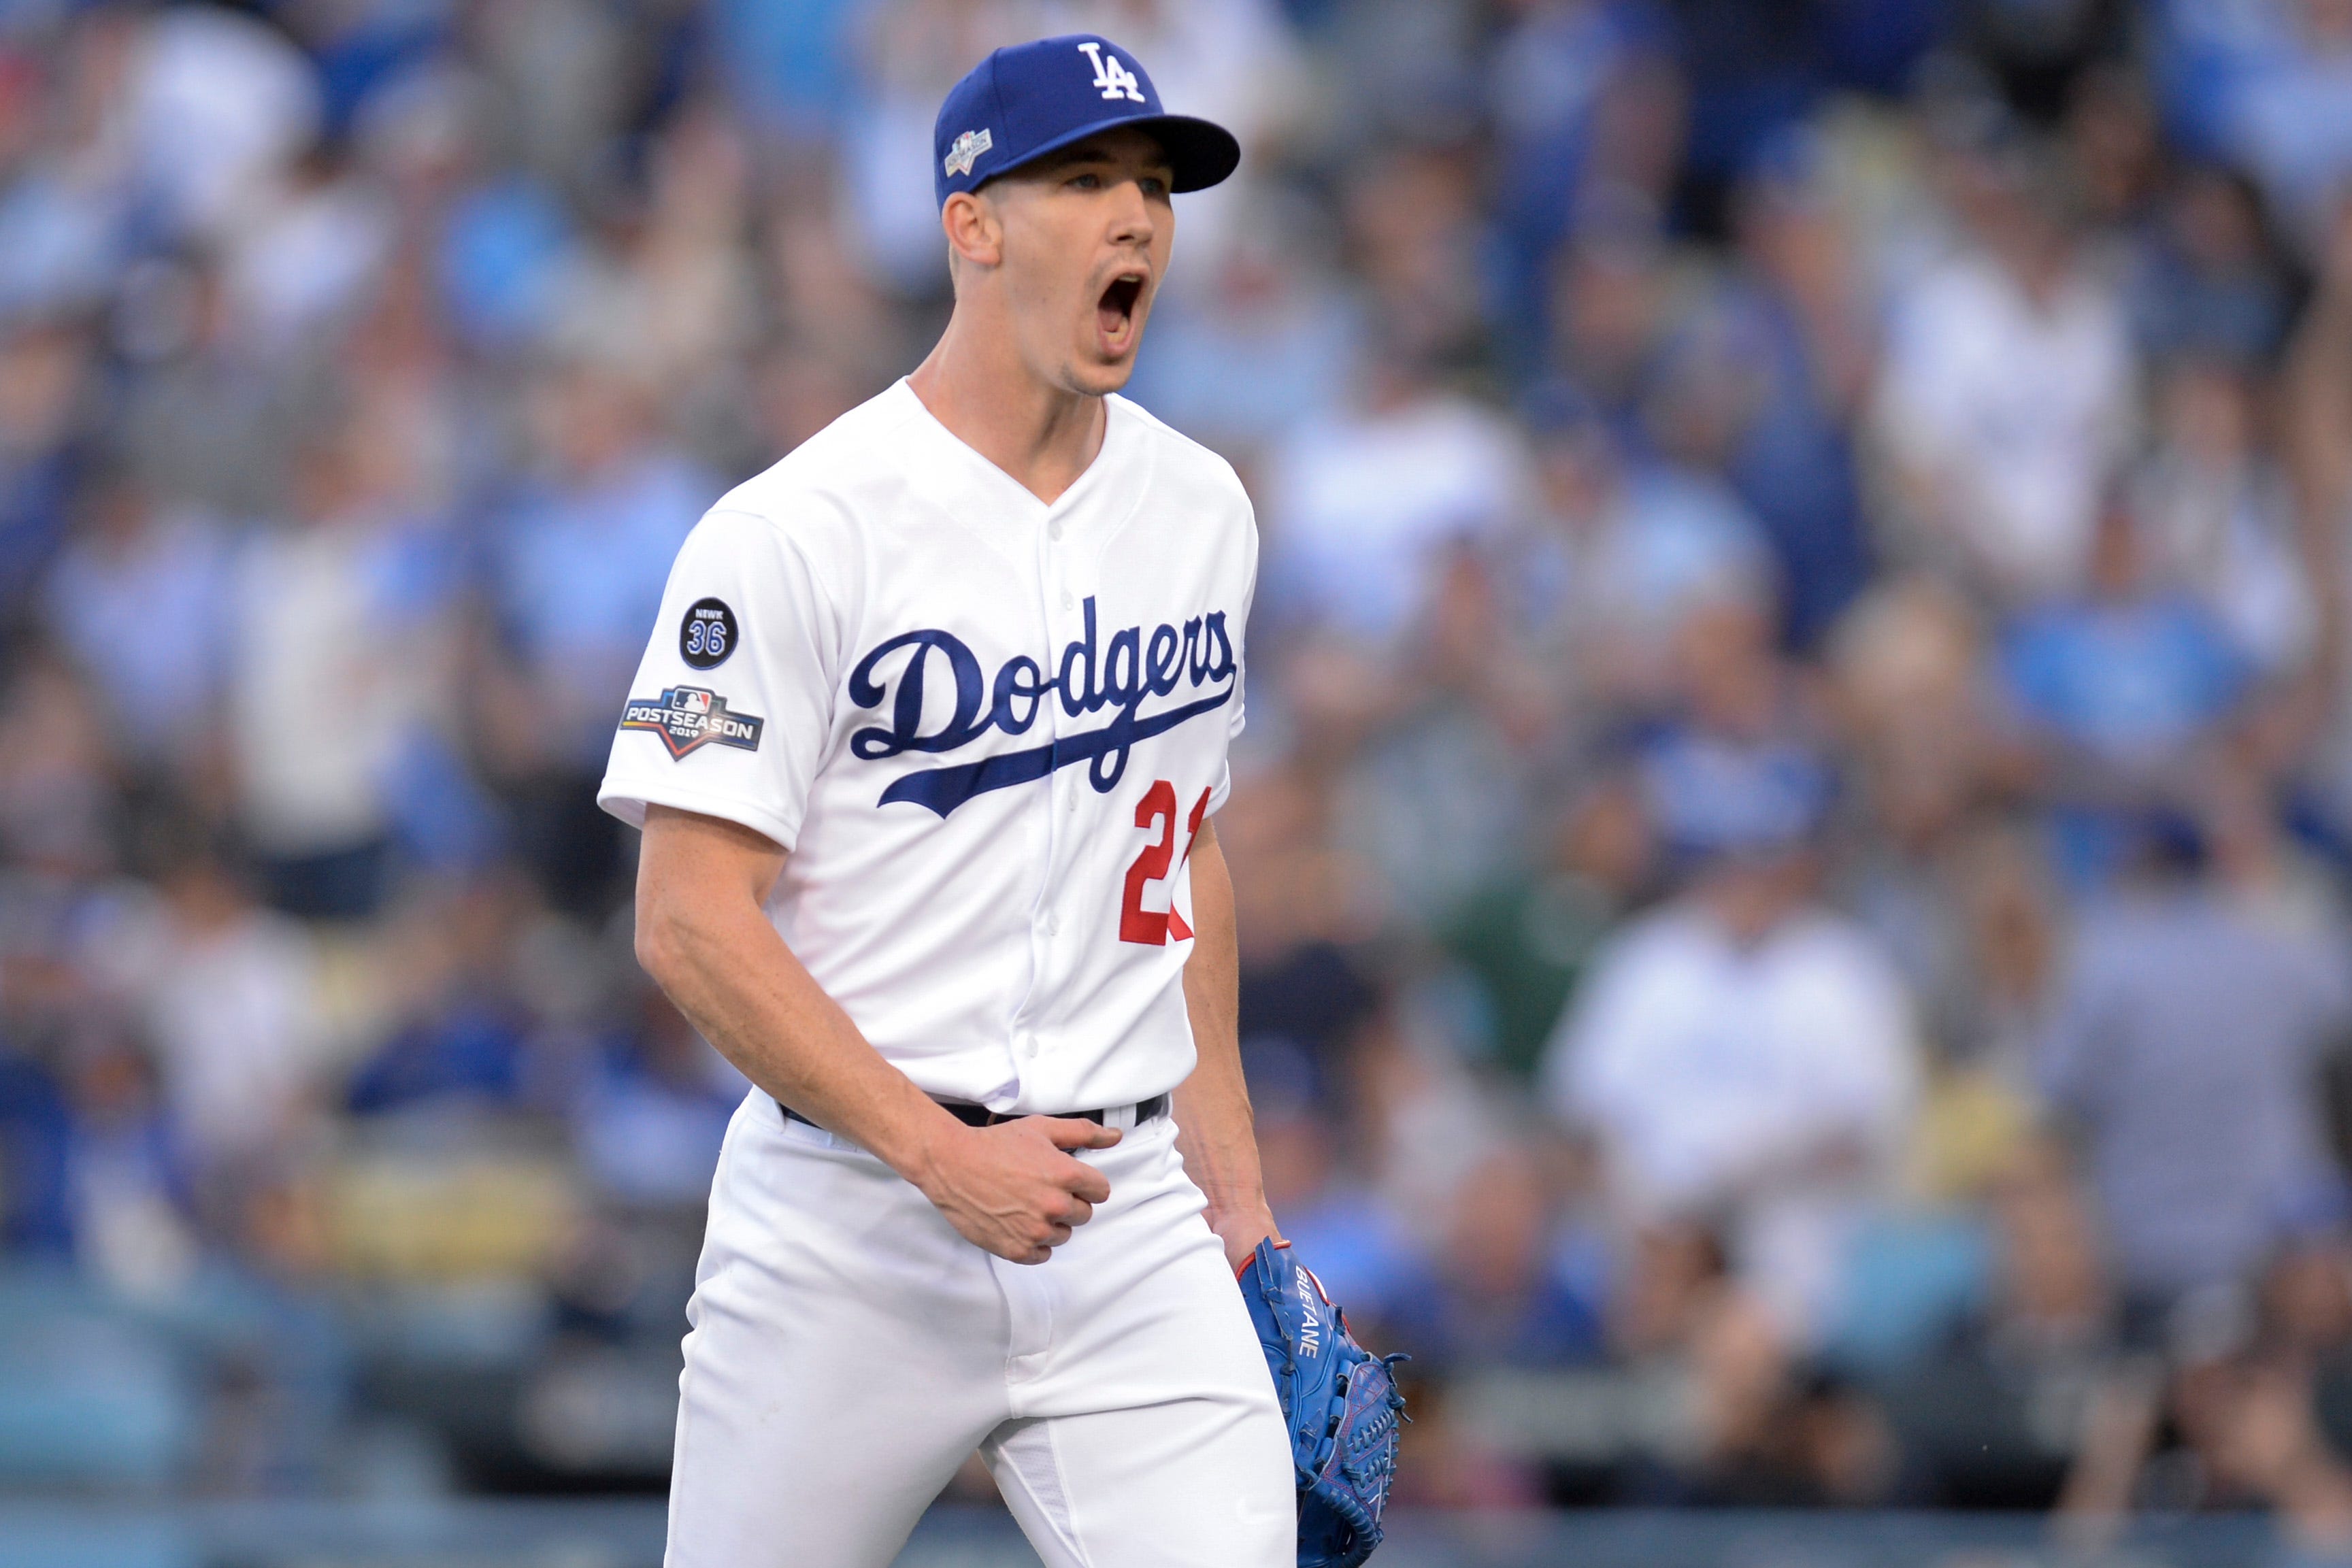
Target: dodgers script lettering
<point>1122,673</point>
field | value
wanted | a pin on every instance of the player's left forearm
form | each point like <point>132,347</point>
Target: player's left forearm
<point>1214,1130</point>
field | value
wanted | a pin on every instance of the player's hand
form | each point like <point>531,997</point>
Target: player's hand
<point>1014,1188</point>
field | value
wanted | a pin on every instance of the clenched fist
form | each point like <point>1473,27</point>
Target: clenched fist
<point>1014,1188</point>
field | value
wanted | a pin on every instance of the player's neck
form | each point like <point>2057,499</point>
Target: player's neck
<point>977,385</point>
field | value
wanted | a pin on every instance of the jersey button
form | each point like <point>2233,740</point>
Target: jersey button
<point>1067,602</point>
<point>1054,530</point>
<point>1052,923</point>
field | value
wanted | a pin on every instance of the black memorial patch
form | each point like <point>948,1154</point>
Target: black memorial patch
<point>688,718</point>
<point>708,635</point>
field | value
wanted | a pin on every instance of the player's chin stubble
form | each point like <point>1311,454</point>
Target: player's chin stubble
<point>1092,374</point>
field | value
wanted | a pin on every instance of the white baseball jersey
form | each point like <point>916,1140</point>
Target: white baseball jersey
<point>987,730</point>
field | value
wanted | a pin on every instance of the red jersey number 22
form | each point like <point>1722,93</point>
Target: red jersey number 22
<point>1156,813</point>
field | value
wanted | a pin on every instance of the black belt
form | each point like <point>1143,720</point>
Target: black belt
<point>981,1116</point>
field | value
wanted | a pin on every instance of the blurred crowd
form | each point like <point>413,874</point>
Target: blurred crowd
<point>1794,839</point>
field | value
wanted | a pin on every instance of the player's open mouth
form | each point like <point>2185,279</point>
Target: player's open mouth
<point>1115,312</point>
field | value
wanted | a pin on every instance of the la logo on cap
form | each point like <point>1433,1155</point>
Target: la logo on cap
<point>1115,79</point>
<point>966,151</point>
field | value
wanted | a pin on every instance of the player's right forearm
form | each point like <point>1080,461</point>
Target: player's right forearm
<point>703,933</point>
<point>705,938</point>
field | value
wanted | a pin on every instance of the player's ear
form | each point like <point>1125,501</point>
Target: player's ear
<point>973,232</point>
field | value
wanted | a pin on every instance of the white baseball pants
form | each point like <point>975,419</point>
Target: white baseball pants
<point>849,1350</point>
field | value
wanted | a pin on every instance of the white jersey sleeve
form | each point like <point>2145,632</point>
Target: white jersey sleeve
<point>733,706</point>
<point>1237,718</point>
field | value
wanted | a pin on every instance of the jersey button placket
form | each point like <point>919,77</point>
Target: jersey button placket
<point>1046,924</point>
<point>1067,782</point>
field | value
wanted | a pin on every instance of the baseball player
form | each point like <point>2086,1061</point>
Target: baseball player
<point>926,749</point>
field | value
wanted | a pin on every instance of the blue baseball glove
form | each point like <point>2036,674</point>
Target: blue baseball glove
<point>1340,1402</point>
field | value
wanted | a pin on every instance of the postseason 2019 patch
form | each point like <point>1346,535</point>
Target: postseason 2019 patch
<point>688,718</point>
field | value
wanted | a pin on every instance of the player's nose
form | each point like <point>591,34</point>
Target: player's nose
<point>1131,218</point>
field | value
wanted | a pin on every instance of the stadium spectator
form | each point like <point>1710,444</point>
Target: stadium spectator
<point>1743,1054</point>
<point>2005,398</point>
<point>230,997</point>
<point>1362,1252</point>
<point>139,600</point>
<point>2184,1045</point>
<point>2202,281</point>
<point>1999,1414</point>
<point>1361,505</point>
<point>1529,939</point>
<point>1505,1291</point>
<point>1621,551</point>
<point>321,708</point>
<point>1802,319</point>
<point>578,560</point>
<point>46,368</point>
<point>2220,519</point>
<point>2282,111</point>
<point>2121,689</point>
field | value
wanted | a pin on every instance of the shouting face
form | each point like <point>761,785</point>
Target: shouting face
<point>1075,244</point>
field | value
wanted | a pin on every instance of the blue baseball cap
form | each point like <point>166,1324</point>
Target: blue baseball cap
<point>1029,99</point>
